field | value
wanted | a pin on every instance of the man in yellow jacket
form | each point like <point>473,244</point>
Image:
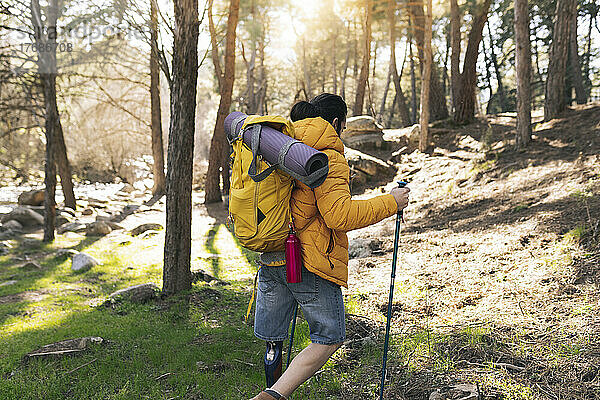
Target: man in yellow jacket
<point>322,217</point>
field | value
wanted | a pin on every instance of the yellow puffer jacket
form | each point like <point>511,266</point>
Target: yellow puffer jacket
<point>323,216</point>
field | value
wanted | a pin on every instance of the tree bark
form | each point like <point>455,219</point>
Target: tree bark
<point>437,98</point>
<point>345,70</point>
<point>425,135</point>
<point>466,81</point>
<point>158,168</point>
<point>364,71</point>
<point>400,98</point>
<point>575,65</point>
<point>554,102</point>
<point>218,156</point>
<point>47,69</point>
<point>413,86</point>
<point>176,272</point>
<point>455,23</point>
<point>523,69</point>
<point>62,162</point>
<point>500,91</point>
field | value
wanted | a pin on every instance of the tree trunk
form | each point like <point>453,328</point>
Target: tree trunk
<point>575,65</point>
<point>364,71</point>
<point>464,100</point>
<point>176,272</point>
<point>346,62</point>
<point>555,82</point>
<point>333,64</point>
<point>437,98</point>
<point>455,23</point>
<point>307,83</point>
<point>413,87</point>
<point>400,99</point>
<point>158,168</point>
<point>501,95</point>
<point>47,69</point>
<point>488,78</point>
<point>588,55</point>
<point>425,135</point>
<point>218,148</point>
<point>49,87</point>
<point>523,68</point>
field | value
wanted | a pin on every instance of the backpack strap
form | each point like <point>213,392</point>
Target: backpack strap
<point>255,132</point>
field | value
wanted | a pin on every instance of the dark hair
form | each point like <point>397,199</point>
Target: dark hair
<point>326,105</point>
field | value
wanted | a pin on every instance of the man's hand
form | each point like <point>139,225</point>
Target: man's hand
<point>401,197</point>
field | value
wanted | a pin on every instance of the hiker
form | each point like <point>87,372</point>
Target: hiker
<point>322,217</point>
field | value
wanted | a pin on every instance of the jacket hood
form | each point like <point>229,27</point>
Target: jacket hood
<point>318,134</point>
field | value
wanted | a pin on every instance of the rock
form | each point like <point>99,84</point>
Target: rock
<point>62,219</point>
<point>71,227</point>
<point>368,165</point>
<point>201,275</point>
<point>67,211</point>
<point>456,392</point>
<point>359,248</point>
<point>32,198</point>
<point>87,211</point>
<point>64,348</point>
<point>7,283</point>
<point>145,227</point>
<point>363,132</point>
<point>114,226</point>
<point>98,228</point>
<point>6,246</point>
<point>65,253</point>
<point>82,262</point>
<point>73,235</point>
<point>12,225</point>
<point>127,188</point>
<point>7,234</point>
<point>25,216</point>
<point>361,124</point>
<point>135,294</point>
<point>31,266</point>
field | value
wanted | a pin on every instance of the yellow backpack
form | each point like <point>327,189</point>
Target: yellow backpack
<point>259,195</point>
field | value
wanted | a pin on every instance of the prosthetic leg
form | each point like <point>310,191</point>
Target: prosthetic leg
<point>273,361</point>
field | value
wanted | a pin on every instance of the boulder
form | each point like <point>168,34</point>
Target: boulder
<point>135,294</point>
<point>32,198</point>
<point>71,227</point>
<point>360,125</point>
<point>127,188</point>
<point>62,219</point>
<point>369,165</point>
<point>12,225</point>
<point>7,234</point>
<point>25,216</point>
<point>82,262</point>
<point>8,283</point>
<point>87,211</point>
<point>406,136</point>
<point>98,228</point>
<point>145,227</point>
<point>363,132</point>
<point>4,248</point>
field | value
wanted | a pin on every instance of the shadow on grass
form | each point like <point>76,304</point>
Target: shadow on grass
<point>196,338</point>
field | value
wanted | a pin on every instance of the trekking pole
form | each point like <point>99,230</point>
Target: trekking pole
<point>399,218</point>
<point>292,337</point>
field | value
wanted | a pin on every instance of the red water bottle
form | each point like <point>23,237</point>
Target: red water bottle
<point>293,257</point>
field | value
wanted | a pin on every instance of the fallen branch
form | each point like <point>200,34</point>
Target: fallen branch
<point>244,362</point>
<point>163,376</point>
<point>81,366</point>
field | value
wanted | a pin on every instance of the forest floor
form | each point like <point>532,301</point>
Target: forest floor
<point>497,286</point>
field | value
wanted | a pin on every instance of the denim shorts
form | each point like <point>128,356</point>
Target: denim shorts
<point>320,300</point>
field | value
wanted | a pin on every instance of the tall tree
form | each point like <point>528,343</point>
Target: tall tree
<point>45,35</point>
<point>176,272</point>
<point>364,70</point>
<point>523,67</point>
<point>554,99</point>
<point>400,98</point>
<point>218,157</point>
<point>494,59</point>
<point>437,97</point>
<point>158,168</point>
<point>425,135</point>
<point>575,76</point>
<point>464,83</point>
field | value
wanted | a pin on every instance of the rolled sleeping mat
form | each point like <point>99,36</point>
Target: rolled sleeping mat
<point>291,156</point>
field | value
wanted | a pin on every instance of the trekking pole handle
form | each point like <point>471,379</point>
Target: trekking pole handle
<point>401,184</point>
